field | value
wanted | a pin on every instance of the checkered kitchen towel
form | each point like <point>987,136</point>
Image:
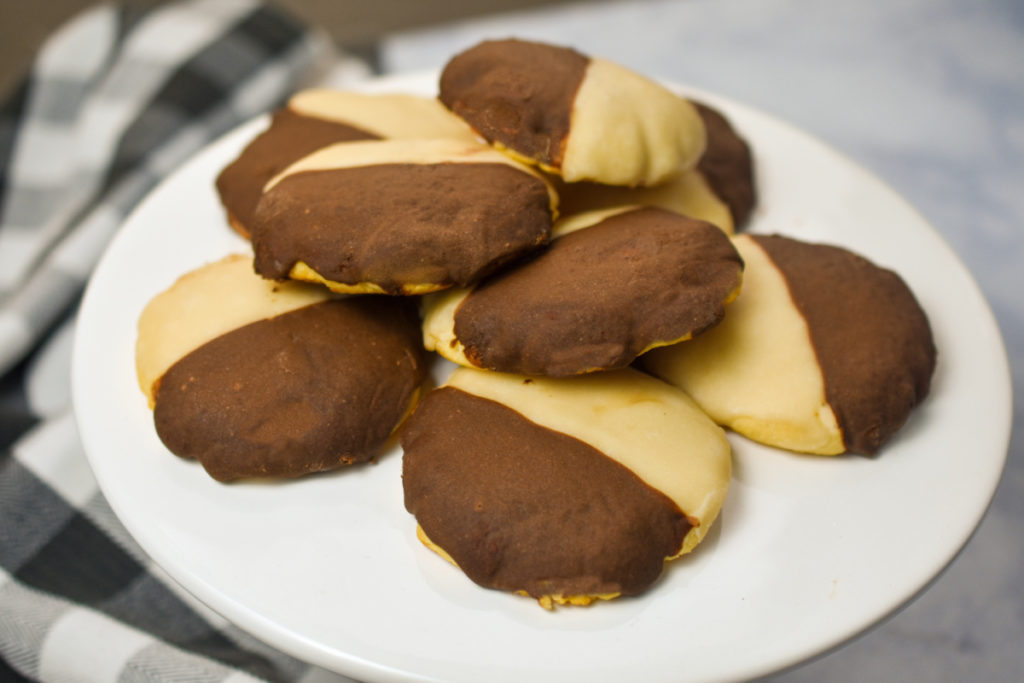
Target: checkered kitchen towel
<point>115,100</point>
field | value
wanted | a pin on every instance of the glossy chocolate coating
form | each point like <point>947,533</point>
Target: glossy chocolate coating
<point>401,224</point>
<point>314,389</point>
<point>727,165</point>
<point>521,507</point>
<point>598,297</point>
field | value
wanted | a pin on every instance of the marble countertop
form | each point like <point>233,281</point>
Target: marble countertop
<point>929,96</point>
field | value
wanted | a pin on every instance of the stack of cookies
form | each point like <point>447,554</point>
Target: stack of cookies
<point>565,231</point>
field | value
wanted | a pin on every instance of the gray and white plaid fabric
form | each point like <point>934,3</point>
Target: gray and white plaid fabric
<point>115,100</point>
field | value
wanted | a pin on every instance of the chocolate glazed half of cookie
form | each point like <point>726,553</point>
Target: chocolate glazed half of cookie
<point>310,390</point>
<point>598,297</point>
<point>727,164</point>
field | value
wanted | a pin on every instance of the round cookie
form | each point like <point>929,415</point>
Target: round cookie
<point>580,117</point>
<point>594,299</point>
<point>720,190</point>
<point>823,352</point>
<point>315,118</point>
<point>399,216</point>
<point>565,490</point>
<point>259,379</point>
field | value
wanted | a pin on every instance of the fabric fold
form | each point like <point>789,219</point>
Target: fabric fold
<point>115,101</point>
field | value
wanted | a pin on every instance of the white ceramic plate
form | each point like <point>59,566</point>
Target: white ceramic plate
<point>807,553</point>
